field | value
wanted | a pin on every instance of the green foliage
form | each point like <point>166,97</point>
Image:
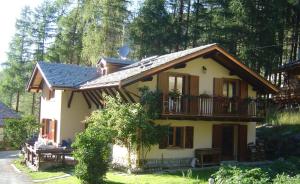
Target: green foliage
<point>17,131</point>
<point>286,179</point>
<point>151,102</point>
<point>92,151</point>
<point>236,175</point>
<point>126,124</point>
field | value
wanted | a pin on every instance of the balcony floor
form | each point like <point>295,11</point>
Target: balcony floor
<point>212,117</point>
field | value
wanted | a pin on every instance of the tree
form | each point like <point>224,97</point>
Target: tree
<point>151,30</point>
<point>18,65</point>
<point>17,131</point>
<point>104,21</point>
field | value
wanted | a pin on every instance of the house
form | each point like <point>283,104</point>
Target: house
<point>6,113</point>
<point>214,105</point>
<point>289,96</point>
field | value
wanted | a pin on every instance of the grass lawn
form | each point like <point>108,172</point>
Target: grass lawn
<point>199,177</point>
<point>113,177</point>
<point>53,172</point>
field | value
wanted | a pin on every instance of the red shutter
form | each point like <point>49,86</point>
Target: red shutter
<point>189,137</point>
<point>242,147</point>
<point>194,92</point>
<point>217,136</point>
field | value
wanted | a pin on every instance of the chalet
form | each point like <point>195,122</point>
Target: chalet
<point>215,106</point>
<point>6,113</point>
<point>289,95</point>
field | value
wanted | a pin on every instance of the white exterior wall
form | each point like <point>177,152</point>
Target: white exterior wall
<point>72,118</point>
<point>69,120</point>
<point>51,109</point>
<point>202,138</point>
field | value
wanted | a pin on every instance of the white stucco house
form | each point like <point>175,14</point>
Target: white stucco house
<point>215,109</point>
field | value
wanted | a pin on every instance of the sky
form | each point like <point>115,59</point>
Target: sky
<point>9,12</point>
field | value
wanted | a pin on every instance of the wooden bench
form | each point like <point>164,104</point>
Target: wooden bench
<point>200,153</point>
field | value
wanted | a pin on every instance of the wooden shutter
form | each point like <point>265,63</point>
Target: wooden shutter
<point>194,92</point>
<point>242,147</point>
<point>52,131</point>
<point>163,82</point>
<point>217,136</point>
<point>163,143</point>
<point>244,89</point>
<point>218,87</point>
<point>189,137</point>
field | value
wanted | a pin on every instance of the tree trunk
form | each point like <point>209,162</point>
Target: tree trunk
<point>129,158</point>
<point>18,99</point>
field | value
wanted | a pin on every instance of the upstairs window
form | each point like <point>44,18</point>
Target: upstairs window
<point>229,88</point>
<point>176,84</point>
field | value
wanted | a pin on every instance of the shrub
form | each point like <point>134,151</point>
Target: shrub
<point>17,131</point>
<point>235,175</point>
<point>286,179</point>
<point>92,151</point>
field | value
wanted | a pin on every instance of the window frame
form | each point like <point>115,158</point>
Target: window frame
<point>177,75</point>
<point>174,140</point>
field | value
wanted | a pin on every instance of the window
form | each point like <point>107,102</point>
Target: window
<point>176,84</point>
<point>178,137</point>
<point>175,137</point>
<point>230,88</point>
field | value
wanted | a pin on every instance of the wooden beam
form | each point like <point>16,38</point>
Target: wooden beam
<point>181,65</point>
<point>93,100</point>
<point>112,92</point>
<point>70,99</point>
<point>121,94</point>
<point>86,99</point>
<point>129,96</point>
<point>99,95</point>
<point>147,79</point>
<point>98,99</point>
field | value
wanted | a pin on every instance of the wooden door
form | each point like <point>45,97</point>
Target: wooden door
<point>242,143</point>
<point>194,93</point>
<point>217,136</point>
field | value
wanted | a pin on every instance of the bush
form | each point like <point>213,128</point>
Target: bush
<point>286,179</point>
<point>92,151</point>
<point>235,175</point>
<point>17,131</point>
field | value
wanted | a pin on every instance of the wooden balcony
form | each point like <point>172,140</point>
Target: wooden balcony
<point>206,107</point>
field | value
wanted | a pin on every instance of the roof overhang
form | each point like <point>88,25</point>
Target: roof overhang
<point>220,55</point>
<point>36,79</point>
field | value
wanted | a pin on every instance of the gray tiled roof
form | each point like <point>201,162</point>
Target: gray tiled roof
<point>138,67</point>
<point>118,61</point>
<point>6,113</point>
<point>67,75</point>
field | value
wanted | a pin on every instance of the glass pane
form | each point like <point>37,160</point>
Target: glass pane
<point>180,84</point>
<point>179,134</point>
<point>171,83</point>
<point>230,89</point>
<point>170,136</point>
<point>225,89</point>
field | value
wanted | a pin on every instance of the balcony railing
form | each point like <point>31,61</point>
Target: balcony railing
<point>205,105</point>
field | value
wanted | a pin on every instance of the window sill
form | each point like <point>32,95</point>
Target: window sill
<point>174,148</point>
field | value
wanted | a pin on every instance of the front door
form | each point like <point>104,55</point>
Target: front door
<point>227,142</point>
<point>231,139</point>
